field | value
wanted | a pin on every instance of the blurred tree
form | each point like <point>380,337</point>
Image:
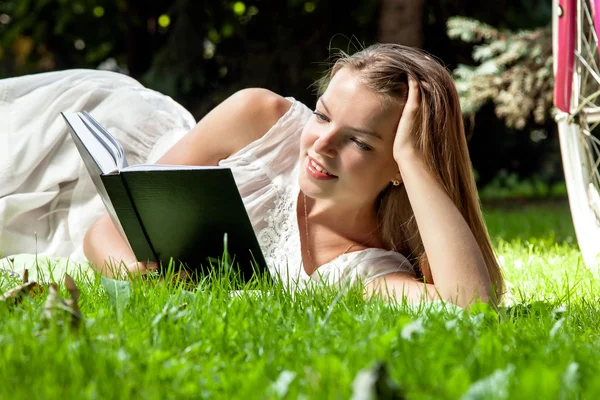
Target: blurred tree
<point>512,78</point>
<point>144,31</point>
<point>202,52</point>
<point>56,34</point>
<point>401,21</point>
<point>279,45</point>
<point>514,71</point>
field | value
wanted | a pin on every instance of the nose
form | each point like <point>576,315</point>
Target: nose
<point>326,144</point>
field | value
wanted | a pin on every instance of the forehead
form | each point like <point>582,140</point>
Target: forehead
<point>354,104</point>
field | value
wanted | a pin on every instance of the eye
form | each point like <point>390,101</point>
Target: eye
<point>361,145</point>
<point>320,116</point>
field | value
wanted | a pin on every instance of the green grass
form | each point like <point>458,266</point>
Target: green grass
<point>162,341</point>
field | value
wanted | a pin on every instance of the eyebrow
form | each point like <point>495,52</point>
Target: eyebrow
<point>363,131</point>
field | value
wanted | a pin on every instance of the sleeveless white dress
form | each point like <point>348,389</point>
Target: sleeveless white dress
<point>47,199</point>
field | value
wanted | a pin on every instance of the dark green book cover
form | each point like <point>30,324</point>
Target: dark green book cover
<point>184,214</point>
<point>169,212</point>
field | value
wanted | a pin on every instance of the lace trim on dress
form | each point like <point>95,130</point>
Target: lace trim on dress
<point>279,238</point>
<point>280,241</point>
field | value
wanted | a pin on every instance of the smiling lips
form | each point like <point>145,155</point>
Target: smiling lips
<point>317,171</point>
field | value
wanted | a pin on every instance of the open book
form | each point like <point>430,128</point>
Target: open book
<point>169,211</point>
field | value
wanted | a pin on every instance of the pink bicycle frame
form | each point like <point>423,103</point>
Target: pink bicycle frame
<point>567,31</point>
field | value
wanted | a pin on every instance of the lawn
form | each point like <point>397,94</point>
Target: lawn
<point>162,341</point>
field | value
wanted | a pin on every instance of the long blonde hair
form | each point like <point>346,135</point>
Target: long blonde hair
<point>385,68</point>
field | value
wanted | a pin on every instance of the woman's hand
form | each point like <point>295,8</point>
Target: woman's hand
<point>140,268</point>
<point>457,266</point>
<point>405,135</point>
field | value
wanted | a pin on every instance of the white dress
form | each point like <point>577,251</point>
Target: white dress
<point>47,199</point>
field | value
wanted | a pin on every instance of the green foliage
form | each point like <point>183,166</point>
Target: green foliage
<point>196,52</point>
<point>200,52</point>
<point>514,71</point>
<point>217,47</point>
<point>506,186</point>
<point>45,35</point>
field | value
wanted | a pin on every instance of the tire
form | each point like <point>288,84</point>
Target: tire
<point>579,134</point>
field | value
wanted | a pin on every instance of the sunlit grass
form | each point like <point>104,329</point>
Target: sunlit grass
<point>537,247</point>
<point>165,341</point>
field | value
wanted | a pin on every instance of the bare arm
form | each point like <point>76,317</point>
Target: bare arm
<point>401,285</point>
<point>106,250</point>
<point>239,120</point>
<point>457,265</point>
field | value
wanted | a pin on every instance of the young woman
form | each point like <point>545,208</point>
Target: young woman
<point>374,183</point>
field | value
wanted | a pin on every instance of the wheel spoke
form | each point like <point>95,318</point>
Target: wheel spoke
<point>594,155</point>
<point>590,21</point>
<point>593,73</point>
<point>597,163</point>
<point>595,178</point>
<point>587,52</point>
<point>592,69</point>
<point>594,200</point>
<point>592,50</point>
<point>584,102</point>
<point>590,136</point>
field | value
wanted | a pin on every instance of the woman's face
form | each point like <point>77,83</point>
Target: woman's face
<point>350,135</point>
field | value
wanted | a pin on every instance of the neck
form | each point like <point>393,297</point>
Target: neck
<point>355,223</point>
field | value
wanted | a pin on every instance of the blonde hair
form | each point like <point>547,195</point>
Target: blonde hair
<point>385,68</point>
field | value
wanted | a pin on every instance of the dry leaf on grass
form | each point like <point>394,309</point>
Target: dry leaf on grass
<point>63,310</point>
<point>15,296</point>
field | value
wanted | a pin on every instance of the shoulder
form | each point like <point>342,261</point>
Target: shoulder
<point>259,109</point>
<point>241,119</point>
<point>264,101</point>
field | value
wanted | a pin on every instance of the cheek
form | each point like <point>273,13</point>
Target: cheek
<point>358,166</point>
<point>307,137</point>
<point>368,172</point>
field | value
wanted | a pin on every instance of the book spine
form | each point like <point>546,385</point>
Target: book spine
<point>126,212</point>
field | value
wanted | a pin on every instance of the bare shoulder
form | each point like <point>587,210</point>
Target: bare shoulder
<point>268,103</point>
<point>260,109</point>
<point>241,119</point>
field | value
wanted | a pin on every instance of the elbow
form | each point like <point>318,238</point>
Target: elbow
<point>472,294</point>
<point>87,243</point>
<point>467,291</point>
<point>90,240</point>
<point>476,288</point>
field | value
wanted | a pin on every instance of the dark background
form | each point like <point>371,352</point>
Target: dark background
<point>200,52</point>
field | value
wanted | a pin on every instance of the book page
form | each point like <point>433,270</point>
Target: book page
<point>97,158</point>
<point>166,167</point>
<point>106,138</point>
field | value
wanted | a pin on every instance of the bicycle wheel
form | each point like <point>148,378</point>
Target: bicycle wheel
<point>577,96</point>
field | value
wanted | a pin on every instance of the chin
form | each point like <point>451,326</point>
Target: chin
<point>312,189</point>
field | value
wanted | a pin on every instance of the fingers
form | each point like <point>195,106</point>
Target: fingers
<point>152,266</point>
<point>414,99</point>
<point>142,268</point>
<point>405,135</point>
<point>139,269</point>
